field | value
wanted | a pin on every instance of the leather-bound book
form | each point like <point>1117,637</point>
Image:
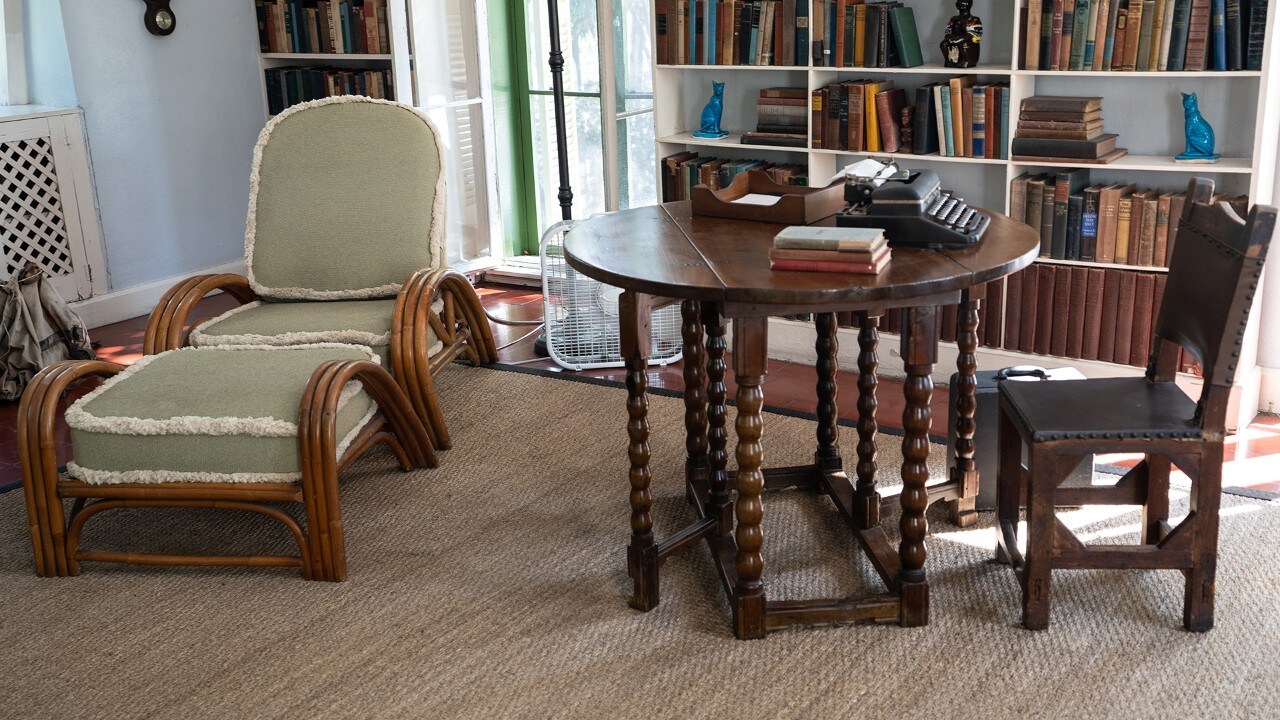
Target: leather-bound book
<point>1055,37</point>
<point>1150,218</point>
<point>1030,301</point>
<point>1160,253</point>
<point>1125,313</point>
<point>1013,311</point>
<point>1035,208</point>
<point>1089,223</point>
<point>1076,315</point>
<point>1046,218</point>
<point>817,108</point>
<point>947,322</point>
<point>1143,301</point>
<point>1137,223</point>
<point>1124,219</point>
<point>1108,216</point>
<point>1018,197</point>
<point>1197,36</point>
<point>1157,299</point>
<point>889,106</point>
<point>1045,309</point>
<point>1107,323</point>
<point>992,314</point>
<point>1095,278</point>
<point>1060,317</point>
<point>1176,204</point>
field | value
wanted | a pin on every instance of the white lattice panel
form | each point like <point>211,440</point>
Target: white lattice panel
<point>33,227</point>
<point>47,214</point>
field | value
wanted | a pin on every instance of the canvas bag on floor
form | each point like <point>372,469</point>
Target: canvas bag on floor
<point>37,329</point>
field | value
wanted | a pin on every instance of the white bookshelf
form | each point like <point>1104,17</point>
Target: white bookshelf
<point>397,61</point>
<point>1143,108</point>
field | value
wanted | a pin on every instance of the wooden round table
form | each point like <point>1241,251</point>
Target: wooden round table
<point>719,270</point>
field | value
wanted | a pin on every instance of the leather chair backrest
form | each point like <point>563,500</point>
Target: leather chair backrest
<point>346,200</point>
<point>1214,273</point>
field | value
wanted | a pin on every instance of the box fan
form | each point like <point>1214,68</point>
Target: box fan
<point>581,314</point>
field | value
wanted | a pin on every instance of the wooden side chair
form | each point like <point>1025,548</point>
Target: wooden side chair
<point>345,243</point>
<point>1213,275</point>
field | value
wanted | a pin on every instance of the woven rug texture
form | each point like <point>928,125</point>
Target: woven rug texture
<point>495,586</point>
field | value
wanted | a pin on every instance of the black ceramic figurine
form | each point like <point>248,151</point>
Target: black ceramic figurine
<point>964,33</point>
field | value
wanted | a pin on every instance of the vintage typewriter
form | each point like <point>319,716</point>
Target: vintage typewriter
<point>912,209</point>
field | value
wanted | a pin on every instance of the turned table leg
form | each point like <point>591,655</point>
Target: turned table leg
<point>717,438</point>
<point>635,319</point>
<point>919,353</point>
<point>695,396</point>
<point>750,364</point>
<point>827,457</point>
<point>866,499</point>
<point>965,473</point>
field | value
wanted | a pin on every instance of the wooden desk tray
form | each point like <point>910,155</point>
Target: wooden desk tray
<point>796,205</point>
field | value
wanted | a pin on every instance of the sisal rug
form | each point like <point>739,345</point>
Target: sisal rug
<point>495,586</point>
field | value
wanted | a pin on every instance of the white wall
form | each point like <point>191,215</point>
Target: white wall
<point>48,64</point>
<point>171,123</point>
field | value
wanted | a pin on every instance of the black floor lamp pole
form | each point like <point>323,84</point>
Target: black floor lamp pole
<point>556,61</point>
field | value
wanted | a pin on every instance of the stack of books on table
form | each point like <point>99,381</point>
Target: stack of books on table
<point>1064,129</point>
<point>852,251</point>
<point>782,118</point>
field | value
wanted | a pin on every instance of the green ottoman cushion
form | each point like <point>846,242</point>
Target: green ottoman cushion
<point>224,414</point>
<point>361,322</point>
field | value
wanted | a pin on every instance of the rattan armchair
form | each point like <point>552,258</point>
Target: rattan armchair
<point>344,243</point>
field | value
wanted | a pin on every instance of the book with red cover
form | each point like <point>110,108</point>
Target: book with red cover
<point>1062,311</point>
<point>1143,301</point>
<point>829,267</point>
<point>1055,37</point>
<point>992,314</point>
<point>838,256</point>
<point>1045,295</point>
<point>947,322</point>
<point>1157,299</point>
<point>1125,311</point>
<point>1030,301</point>
<point>1107,323</point>
<point>1076,317</point>
<point>1176,204</point>
<point>1197,36</point>
<point>889,106</point>
<point>1094,278</point>
<point>1013,311</point>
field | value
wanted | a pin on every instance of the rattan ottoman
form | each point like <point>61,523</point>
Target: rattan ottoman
<point>237,428</point>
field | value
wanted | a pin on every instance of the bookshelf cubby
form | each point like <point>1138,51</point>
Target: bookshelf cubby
<point>396,62</point>
<point>1144,108</point>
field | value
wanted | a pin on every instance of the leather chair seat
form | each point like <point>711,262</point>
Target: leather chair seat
<point>1110,408</point>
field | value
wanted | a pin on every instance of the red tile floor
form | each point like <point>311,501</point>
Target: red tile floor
<point>1253,455</point>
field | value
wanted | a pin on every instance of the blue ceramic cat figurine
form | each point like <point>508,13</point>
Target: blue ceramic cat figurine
<point>710,122</point>
<point>1199,134</point>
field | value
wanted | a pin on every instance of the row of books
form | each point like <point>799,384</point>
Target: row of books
<point>1072,312</point>
<point>681,171</point>
<point>1154,35</point>
<point>323,26</point>
<point>1105,222</point>
<point>953,118</point>
<point>1080,312</point>
<point>854,33</point>
<point>731,32</point>
<point>291,85</point>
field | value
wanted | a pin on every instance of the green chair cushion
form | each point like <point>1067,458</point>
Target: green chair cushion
<point>346,201</point>
<point>360,322</point>
<point>226,414</point>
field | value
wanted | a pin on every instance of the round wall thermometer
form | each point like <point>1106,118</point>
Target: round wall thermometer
<point>159,18</point>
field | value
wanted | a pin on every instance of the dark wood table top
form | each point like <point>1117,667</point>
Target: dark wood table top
<point>664,250</point>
